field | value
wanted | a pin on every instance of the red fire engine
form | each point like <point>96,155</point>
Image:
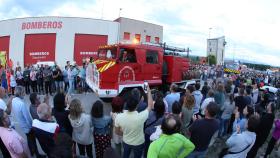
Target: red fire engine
<point>122,67</point>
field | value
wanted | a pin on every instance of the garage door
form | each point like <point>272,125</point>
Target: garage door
<point>39,47</point>
<point>86,45</point>
<point>4,48</point>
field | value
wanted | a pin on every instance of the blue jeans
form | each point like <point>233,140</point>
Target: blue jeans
<point>137,150</point>
<point>223,127</point>
<point>197,154</point>
<point>59,85</point>
<point>71,86</point>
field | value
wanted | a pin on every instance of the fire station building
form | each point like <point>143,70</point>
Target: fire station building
<point>27,41</point>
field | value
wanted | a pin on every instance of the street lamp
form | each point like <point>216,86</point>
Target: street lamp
<point>210,32</point>
<point>120,12</point>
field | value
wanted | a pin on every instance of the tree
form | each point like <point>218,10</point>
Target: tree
<point>211,60</point>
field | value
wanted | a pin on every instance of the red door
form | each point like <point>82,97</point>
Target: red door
<point>39,47</point>
<point>4,45</point>
<point>86,45</point>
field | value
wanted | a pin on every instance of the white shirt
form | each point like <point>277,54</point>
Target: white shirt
<point>13,82</point>
<point>3,105</point>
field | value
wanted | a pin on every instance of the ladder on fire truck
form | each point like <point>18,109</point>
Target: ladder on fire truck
<point>170,50</point>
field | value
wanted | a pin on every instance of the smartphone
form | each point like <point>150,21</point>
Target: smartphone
<point>145,86</point>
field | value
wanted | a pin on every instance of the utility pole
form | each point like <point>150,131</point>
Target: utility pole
<point>120,12</point>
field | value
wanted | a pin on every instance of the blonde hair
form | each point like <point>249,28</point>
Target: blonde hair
<point>189,101</point>
<point>75,109</point>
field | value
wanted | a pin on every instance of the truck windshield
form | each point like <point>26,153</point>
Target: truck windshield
<point>110,53</point>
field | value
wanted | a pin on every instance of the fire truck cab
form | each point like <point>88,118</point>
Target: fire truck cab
<point>124,66</point>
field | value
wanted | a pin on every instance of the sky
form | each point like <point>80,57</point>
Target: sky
<point>251,27</point>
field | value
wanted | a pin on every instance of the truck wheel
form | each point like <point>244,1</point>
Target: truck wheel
<point>107,100</point>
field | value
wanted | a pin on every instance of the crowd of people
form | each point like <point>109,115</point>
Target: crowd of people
<point>45,79</point>
<point>183,123</point>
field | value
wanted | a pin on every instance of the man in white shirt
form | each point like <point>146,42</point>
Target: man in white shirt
<point>130,124</point>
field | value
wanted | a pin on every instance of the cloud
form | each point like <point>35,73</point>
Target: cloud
<point>251,27</point>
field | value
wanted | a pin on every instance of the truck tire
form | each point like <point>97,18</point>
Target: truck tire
<point>107,100</point>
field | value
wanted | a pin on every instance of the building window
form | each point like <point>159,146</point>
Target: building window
<point>126,36</point>
<point>210,50</point>
<point>157,39</point>
<point>148,38</point>
<point>151,57</point>
<point>138,37</point>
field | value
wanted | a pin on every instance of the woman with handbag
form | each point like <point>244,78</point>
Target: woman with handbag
<point>239,144</point>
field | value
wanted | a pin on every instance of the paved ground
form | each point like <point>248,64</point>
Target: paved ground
<point>88,99</point>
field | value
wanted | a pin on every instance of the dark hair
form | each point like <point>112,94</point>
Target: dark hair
<point>159,108</point>
<point>97,109</point>
<point>272,106</point>
<point>205,83</point>
<point>212,109</point>
<point>241,91</point>
<point>131,104</point>
<point>159,95</point>
<point>253,123</point>
<point>135,93</point>
<point>197,86</point>
<point>1,117</point>
<point>248,90</point>
<point>250,111</point>
<point>170,125</point>
<point>33,98</point>
<point>190,88</point>
<point>176,108</point>
<point>117,105</point>
<point>59,102</point>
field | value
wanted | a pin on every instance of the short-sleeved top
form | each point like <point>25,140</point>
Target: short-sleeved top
<point>202,132</point>
<point>102,125</point>
<point>171,98</point>
<point>132,124</point>
<point>3,105</point>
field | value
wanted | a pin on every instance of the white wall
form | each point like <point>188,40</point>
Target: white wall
<point>140,27</point>
<point>64,36</point>
<point>217,48</point>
